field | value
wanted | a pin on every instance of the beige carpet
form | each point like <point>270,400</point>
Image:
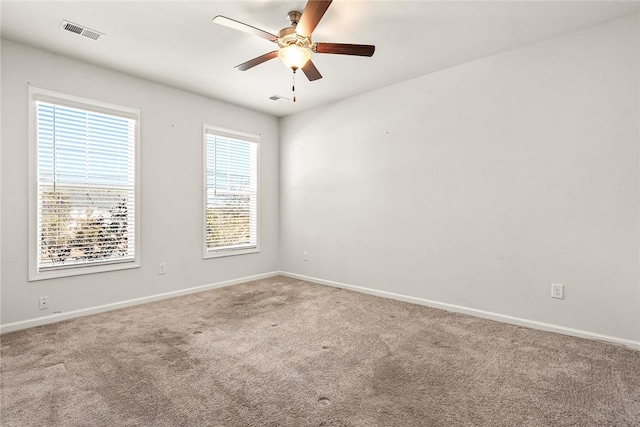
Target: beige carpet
<point>282,352</point>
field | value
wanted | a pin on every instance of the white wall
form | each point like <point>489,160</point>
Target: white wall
<point>482,184</point>
<point>476,186</point>
<point>171,186</point>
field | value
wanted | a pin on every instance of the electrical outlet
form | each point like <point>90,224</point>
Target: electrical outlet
<point>557,291</point>
<point>305,256</point>
<point>44,303</point>
<point>162,268</point>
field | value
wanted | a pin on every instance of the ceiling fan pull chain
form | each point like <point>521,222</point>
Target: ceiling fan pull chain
<point>293,85</point>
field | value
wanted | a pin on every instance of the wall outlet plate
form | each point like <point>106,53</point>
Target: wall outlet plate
<point>557,291</point>
<point>44,303</point>
<point>162,268</point>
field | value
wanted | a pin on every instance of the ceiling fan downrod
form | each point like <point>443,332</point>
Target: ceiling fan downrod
<point>294,17</point>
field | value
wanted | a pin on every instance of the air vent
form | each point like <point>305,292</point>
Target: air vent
<point>80,30</point>
<point>278,97</point>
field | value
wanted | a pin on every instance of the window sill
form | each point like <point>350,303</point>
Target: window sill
<point>80,270</point>
<point>229,252</point>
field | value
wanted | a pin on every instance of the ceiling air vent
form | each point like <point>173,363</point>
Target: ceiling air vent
<point>278,97</point>
<point>79,29</point>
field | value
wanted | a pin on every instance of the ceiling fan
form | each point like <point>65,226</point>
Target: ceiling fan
<point>294,42</point>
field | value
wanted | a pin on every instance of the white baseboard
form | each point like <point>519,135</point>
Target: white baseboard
<point>472,312</point>
<point>39,321</point>
<point>29,323</point>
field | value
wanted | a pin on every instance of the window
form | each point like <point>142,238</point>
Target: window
<point>83,188</point>
<point>231,192</point>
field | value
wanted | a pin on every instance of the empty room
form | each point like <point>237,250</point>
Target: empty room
<point>320,213</point>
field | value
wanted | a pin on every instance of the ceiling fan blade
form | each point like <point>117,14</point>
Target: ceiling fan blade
<point>345,49</point>
<point>237,25</point>
<point>311,71</point>
<point>257,61</point>
<point>312,14</point>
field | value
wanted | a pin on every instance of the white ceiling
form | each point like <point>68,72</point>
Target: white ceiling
<point>175,42</point>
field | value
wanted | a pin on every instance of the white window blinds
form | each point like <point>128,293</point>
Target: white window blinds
<point>231,217</point>
<point>86,178</point>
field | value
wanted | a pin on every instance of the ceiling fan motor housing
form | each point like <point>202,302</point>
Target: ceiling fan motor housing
<point>288,36</point>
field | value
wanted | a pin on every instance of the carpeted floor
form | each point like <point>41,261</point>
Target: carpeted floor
<point>282,352</point>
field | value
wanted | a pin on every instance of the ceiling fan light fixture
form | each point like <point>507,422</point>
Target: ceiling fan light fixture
<point>295,47</point>
<point>294,56</point>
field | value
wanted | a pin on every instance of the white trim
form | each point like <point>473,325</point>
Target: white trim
<point>472,311</point>
<point>39,94</point>
<point>229,252</point>
<point>77,270</point>
<point>53,97</point>
<point>33,186</point>
<point>39,321</point>
<point>230,133</point>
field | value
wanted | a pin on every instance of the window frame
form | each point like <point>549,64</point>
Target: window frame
<point>248,137</point>
<point>38,94</point>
